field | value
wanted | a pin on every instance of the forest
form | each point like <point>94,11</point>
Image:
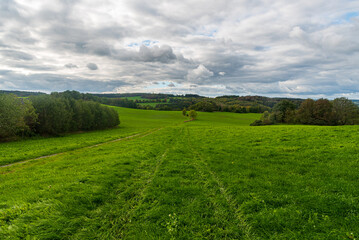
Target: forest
<point>340,111</point>
<point>53,114</point>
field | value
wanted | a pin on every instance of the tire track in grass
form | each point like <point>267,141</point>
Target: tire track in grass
<point>143,134</point>
<point>127,219</point>
<point>193,197</point>
<point>203,169</point>
<point>139,184</point>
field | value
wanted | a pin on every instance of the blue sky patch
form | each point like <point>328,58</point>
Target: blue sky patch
<point>346,18</point>
<point>350,15</point>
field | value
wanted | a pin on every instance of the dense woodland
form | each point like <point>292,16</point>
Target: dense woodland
<point>51,115</point>
<point>340,111</point>
<point>168,102</point>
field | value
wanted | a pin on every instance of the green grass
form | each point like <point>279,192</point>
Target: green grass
<point>213,178</point>
<point>152,104</point>
<point>135,98</point>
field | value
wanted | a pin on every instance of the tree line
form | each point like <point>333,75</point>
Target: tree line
<point>52,115</point>
<point>340,111</point>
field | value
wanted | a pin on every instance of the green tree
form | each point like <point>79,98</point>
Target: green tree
<point>11,117</point>
<point>17,116</point>
<point>55,114</point>
<point>323,112</point>
<point>345,111</point>
<point>30,118</point>
<point>184,112</point>
<point>192,114</point>
<point>284,111</point>
<point>266,118</point>
<point>305,113</point>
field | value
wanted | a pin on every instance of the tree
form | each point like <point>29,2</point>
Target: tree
<point>192,114</point>
<point>55,114</point>
<point>284,111</point>
<point>265,118</point>
<point>184,112</point>
<point>305,114</point>
<point>345,111</point>
<point>30,118</point>
<point>11,116</point>
<point>205,106</point>
<point>323,112</point>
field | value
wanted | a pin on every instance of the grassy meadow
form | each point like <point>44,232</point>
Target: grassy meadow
<point>213,178</point>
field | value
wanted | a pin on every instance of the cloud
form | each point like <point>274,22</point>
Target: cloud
<point>199,74</point>
<point>92,66</point>
<point>17,55</point>
<point>276,48</point>
<point>53,82</point>
<point>171,85</point>
<point>162,54</point>
<point>70,65</point>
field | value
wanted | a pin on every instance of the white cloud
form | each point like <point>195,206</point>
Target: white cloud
<point>199,74</point>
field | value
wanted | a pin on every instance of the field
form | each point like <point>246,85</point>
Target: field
<point>213,178</point>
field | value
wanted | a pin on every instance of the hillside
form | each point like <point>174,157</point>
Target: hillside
<point>157,176</point>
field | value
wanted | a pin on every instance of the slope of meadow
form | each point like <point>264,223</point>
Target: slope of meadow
<point>213,178</point>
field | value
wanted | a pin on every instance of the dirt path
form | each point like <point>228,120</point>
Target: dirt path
<point>143,134</point>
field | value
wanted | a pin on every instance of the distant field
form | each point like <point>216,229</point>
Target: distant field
<point>213,178</point>
<point>150,104</point>
<point>134,98</point>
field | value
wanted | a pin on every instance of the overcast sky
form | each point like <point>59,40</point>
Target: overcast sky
<point>302,48</point>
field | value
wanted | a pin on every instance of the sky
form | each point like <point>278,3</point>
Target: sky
<point>277,48</point>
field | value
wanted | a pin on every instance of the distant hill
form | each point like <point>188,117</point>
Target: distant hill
<point>22,93</point>
<point>161,101</point>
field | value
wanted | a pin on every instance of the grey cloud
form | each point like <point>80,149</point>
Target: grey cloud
<point>92,66</point>
<point>70,65</point>
<point>8,10</point>
<point>17,55</point>
<point>53,82</point>
<point>32,66</point>
<point>171,85</point>
<point>98,48</point>
<point>162,54</point>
